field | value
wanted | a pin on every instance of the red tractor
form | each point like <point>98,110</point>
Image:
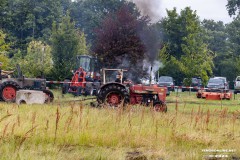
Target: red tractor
<point>86,78</point>
<point>117,93</point>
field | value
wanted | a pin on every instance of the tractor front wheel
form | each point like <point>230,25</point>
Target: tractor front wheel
<point>160,107</point>
<point>49,95</point>
<point>8,91</point>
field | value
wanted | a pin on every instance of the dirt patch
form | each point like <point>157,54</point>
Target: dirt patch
<point>135,156</point>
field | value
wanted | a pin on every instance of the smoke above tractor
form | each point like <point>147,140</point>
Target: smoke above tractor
<point>126,40</point>
<point>150,36</point>
<point>150,8</point>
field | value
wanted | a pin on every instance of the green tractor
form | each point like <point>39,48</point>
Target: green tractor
<point>10,86</point>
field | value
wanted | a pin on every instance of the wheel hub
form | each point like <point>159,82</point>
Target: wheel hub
<point>159,108</point>
<point>9,93</point>
<point>113,99</point>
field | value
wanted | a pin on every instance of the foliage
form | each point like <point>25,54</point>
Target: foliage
<point>67,43</point>
<point>23,21</point>
<point>218,42</point>
<point>215,36</point>
<point>38,58</point>
<point>234,36</point>
<point>4,47</point>
<point>233,7</point>
<point>88,14</point>
<point>6,62</point>
<point>227,59</point>
<point>170,66</point>
<point>172,29</point>
<point>118,40</point>
<point>83,47</point>
<point>184,39</point>
<point>197,59</point>
<point>18,58</point>
<point>30,19</point>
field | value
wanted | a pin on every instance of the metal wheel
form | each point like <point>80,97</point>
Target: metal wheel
<point>49,95</point>
<point>160,107</point>
<point>9,93</point>
<point>9,90</point>
<point>114,98</point>
<point>113,95</point>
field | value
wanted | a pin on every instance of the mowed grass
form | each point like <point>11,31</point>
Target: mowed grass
<point>74,130</point>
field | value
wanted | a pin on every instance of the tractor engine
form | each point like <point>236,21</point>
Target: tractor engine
<point>142,94</point>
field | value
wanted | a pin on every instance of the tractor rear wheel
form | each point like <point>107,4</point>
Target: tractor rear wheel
<point>113,95</point>
<point>9,90</point>
<point>160,107</point>
<point>49,94</point>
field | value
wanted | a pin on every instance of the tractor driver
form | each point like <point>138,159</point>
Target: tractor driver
<point>4,73</point>
<point>81,74</point>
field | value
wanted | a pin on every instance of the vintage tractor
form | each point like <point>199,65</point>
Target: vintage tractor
<point>116,93</point>
<point>9,86</point>
<point>86,78</point>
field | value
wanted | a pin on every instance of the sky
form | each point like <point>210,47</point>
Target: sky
<point>206,9</point>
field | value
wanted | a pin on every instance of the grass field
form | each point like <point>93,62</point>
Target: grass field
<point>70,129</point>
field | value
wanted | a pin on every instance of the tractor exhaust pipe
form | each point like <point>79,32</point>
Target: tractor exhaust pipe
<point>150,79</point>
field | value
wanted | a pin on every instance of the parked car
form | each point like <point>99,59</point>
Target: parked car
<point>196,83</point>
<point>166,81</point>
<point>237,85</point>
<point>217,83</point>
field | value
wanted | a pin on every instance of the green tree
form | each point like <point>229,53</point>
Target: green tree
<point>228,64</point>
<point>30,19</point>
<point>233,7</point>
<point>173,29</point>
<point>184,39</point>
<point>4,47</point>
<point>66,45</point>
<point>234,37</point>
<point>88,14</point>
<point>216,37</point>
<point>38,58</point>
<point>83,47</point>
<point>170,66</point>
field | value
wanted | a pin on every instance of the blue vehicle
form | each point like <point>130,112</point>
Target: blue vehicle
<point>166,81</point>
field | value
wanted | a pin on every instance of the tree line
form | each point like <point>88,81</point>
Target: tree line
<point>45,37</point>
